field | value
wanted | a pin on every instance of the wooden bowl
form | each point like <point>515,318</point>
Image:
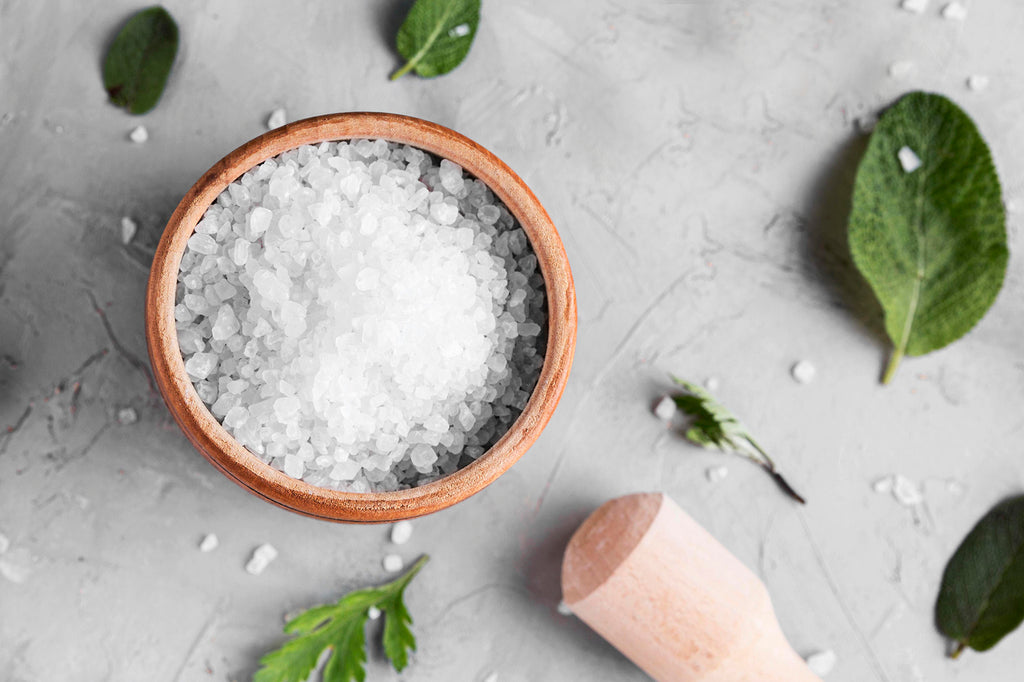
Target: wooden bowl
<point>245,468</point>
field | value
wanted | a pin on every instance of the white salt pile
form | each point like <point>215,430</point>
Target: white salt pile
<point>260,559</point>
<point>361,316</point>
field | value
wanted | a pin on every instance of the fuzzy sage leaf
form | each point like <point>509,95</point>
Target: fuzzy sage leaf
<point>341,628</point>
<point>931,241</point>
<point>436,36</point>
<point>982,595</point>
<point>714,427</point>
<point>139,60</point>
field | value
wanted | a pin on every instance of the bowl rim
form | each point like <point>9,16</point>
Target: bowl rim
<point>246,469</point>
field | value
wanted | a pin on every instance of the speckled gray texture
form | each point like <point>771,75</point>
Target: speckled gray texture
<point>697,158</point>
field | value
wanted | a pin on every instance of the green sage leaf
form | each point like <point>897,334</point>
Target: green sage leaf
<point>436,36</point>
<point>139,60</point>
<point>982,595</point>
<point>931,242</point>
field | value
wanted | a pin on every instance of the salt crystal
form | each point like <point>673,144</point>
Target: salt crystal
<point>712,383</point>
<point>373,613</point>
<point>139,134</point>
<point>459,31</point>
<point>261,558</point>
<point>901,69</point>
<point>716,474</point>
<point>977,82</point>
<point>883,486</point>
<point>564,609</point>
<point>493,677</point>
<point>954,11</point>
<point>392,563</point>
<point>906,491</point>
<point>127,416</point>
<point>908,159</point>
<point>209,543</point>
<point>401,532</point>
<point>822,663</point>
<point>665,409</point>
<point>804,372</point>
<point>277,118</point>
<point>128,229</point>
<point>5,543</point>
<point>915,6</point>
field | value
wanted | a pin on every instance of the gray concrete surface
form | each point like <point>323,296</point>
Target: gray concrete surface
<point>697,158</point>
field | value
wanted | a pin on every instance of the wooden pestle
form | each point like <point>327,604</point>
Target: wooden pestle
<point>663,591</point>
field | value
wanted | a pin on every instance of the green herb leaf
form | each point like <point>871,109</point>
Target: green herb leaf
<point>931,242</point>
<point>716,428</point>
<point>982,595</point>
<point>436,36</point>
<point>341,628</point>
<point>140,59</point>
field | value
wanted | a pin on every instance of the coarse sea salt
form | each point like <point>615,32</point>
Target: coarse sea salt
<point>139,135</point>
<point>901,69</point>
<point>128,229</point>
<point>261,558</point>
<point>954,11</point>
<point>804,372</point>
<point>915,6</point>
<point>665,409</point>
<point>360,315</point>
<point>977,82</point>
<point>276,119</point>
<point>822,663</point>
<point>209,543</point>
<point>392,563</point>
<point>401,532</point>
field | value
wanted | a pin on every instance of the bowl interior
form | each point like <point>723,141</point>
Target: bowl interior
<point>248,470</point>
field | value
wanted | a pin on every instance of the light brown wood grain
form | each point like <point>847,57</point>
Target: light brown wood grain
<point>210,438</point>
<point>663,591</point>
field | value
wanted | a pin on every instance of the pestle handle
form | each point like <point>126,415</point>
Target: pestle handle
<point>664,592</point>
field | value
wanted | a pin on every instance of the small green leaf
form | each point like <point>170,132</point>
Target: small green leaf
<point>341,628</point>
<point>982,595</point>
<point>436,36</point>
<point>139,60</point>
<point>714,427</point>
<point>931,242</point>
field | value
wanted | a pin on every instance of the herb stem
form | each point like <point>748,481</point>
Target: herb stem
<point>960,647</point>
<point>404,70</point>
<point>894,362</point>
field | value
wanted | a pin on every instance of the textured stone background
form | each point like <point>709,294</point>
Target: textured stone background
<point>697,158</point>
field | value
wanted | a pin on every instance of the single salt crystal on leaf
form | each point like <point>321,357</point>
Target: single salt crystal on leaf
<point>908,159</point>
<point>665,409</point>
<point>883,486</point>
<point>915,6</point>
<point>401,532</point>
<point>277,118</point>
<point>209,543</point>
<point>906,491</point>
<point>139,134</point>
<point>392,563</point>
<point>716,474</point>
<point>373,613</point>
<point>127,416</point>
<point>977,82</point>
<point>261,558</point>
<point>822,663</point>
<point>564,609</point>
<point>804,372</point>
<point>954,11</point>
<point>459,31</point>
<point>901,69</point>
<point>128,229</point>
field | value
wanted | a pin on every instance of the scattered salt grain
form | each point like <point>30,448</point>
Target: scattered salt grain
<point>977,82</point>
<point>954,11</point>
<point>712,383</point>
<point>1014,205</point>
<point>5,543</point>
<point>915,6</point>
<point>716,474</point>
<point>804,372</point>
<point>901,69</point>
<point>908,159</point>
<point>261,558</point>
<point>564,609</point>
<point>128,229</point>
<point>493,677</point>
<point>906,491</point>
<point>401,532</point>
<point>277,118</point>
<point>665,409</point>
<point>883,486</point>
<point>127,416</point>
<point>822,662</point>
<point>373,613</point>
<point>392,563</point>
<point>955,488</point>
<point>209,543</point>
<point>459,31</point>
<point>139,135</point>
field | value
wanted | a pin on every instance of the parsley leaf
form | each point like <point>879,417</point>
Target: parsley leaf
<point>341,628</point>
<point>714,427</point>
